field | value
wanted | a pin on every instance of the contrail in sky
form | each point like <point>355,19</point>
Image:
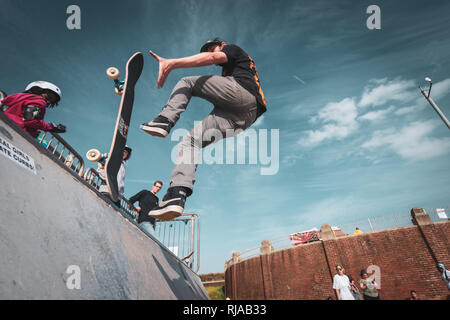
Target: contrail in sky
<point>297,78</point>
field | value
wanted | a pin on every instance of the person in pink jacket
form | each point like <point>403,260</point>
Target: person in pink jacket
<point>27,109</point>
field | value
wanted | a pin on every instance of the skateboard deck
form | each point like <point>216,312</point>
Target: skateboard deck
<point>133,72</point>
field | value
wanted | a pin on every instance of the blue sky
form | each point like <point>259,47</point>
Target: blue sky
<point>356,137</point>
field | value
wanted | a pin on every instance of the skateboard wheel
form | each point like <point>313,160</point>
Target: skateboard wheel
<point>119,93</point>
<point>93,155</point>
<point>112,73</point>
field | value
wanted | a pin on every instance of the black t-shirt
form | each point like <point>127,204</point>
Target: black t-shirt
<point>241,66</point>
<point>147,201</point>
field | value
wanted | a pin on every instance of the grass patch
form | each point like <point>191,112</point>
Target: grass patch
<point>216,293</point>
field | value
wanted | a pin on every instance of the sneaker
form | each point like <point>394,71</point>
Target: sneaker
<point>159,127</point>
<point>172,205</point>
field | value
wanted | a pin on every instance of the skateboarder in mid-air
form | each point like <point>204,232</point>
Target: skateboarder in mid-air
<point>238,101</point>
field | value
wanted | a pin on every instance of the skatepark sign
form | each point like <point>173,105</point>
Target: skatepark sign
<point>16,155</point>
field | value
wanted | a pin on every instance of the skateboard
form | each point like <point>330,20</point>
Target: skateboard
<point>95,156</point>
<point>114,74</point>
<point>187,258</point>
<point>126,90</point>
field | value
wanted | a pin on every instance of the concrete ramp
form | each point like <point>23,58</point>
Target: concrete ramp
<point>60,240</point>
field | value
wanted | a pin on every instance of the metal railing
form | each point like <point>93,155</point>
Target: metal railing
<point>390,221</point>
<point>93,178</point>
<point>128,207</point>
<point>62,150</point>
<point>182,236</point>
<point>59,147</point>
<point>439,214</point>
<point>368,225</point>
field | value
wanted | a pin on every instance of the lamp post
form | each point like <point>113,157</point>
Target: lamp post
<point>435,107</point>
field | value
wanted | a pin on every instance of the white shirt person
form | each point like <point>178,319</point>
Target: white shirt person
<point>341,283</point>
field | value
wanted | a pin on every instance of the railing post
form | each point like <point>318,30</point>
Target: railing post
<point>330,249</point>
<point>236,257</point>
<point>198,243</point>
<point>420,217</point>
<point>266,247</point>
<point>326,232</point>
<point>192,233</point>
<point>266,255</point>
<point>371,227</point>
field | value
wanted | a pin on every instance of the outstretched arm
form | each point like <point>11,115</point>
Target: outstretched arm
<point>198,60</point>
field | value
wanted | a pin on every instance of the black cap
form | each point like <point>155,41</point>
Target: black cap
<point>210,42</point>
<point>128,149</point>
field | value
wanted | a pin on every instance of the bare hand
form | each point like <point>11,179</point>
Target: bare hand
<point>165,66</point>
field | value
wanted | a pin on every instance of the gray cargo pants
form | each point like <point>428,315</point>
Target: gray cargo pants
<point>234,111</point>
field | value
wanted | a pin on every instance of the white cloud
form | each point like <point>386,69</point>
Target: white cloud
<point>406,110</point>
<point>385,91</point>
<point>412,142</point>
<point>339,121</point>
<point>377,115</point>
<point>378,81</point>
<point>439,91</point>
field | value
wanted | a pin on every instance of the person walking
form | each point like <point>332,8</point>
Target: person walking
<point>341,284</point>
<point>238,101</point>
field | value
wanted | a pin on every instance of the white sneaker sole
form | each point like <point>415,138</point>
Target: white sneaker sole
<point>157,132</point>
<point>167,213</point>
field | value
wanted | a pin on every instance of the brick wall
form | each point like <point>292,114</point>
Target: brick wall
<point>406,258</point>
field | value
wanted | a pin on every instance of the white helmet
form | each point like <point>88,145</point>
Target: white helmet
<point>45,85</point>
